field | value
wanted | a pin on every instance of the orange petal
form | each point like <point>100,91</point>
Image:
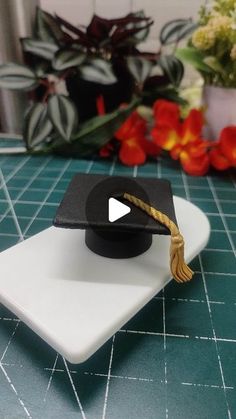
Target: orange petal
<point>165,137</point>
<point>131,153</point>
<point>218,160</point>
<point>175,152</point>
<point>192,126</point>
<point>166,113</point>
<point>196,148</point>
<point>228,144</point>
<point>149,147</point>
<point>195,166</point>
<point>100,104</point>
<point>106,150</point>
<point>133,126</point>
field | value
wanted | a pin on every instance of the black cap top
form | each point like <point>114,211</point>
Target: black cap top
<point>86,206</point>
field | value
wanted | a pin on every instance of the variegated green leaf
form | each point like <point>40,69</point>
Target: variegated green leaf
<point>139,67</point>
<point>37,125</point>
<point>42,49</point>
<point>98,71</point>
<point>67,58</point>
<point>142,35</point>
<point>63,115</point>
<point>173,68</point>
<point>47,28</point>
<point>175,30</point>
<point>15,76</point>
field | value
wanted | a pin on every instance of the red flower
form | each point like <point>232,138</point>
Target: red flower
<point>100,105</point>
<point>223,155</point>
<point>218,160</point>
<point>135,147</point>
<point>106,150</point>
<point>228,144</point>
<point>182,139</point>
<point>193,165</point>
<point>166,113</point>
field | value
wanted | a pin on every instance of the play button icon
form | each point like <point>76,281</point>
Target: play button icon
<point>117,210</point>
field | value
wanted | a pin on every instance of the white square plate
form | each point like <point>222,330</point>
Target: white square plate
<point>76,300</point>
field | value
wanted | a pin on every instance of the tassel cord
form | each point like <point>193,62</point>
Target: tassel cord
<point>179,269</point>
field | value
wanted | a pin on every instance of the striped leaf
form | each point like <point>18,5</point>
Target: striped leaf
<point>47,28</point>
<point>140,68</point>
<point>98,71</point>
<point>37,125</point>
<point>175,30</point>
<point>15,76</point>
<point>67,58</point>
<point>42,49</point>
<point>173,68</point>
<point>142,34</point>
<point>63,115</point>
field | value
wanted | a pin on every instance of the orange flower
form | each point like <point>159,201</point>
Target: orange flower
<point>100,105</point>
<point>182,139</point>
<point>223,155</point>
<point>228,144</point>
<point>218,160</point>
<point>135,147</point>
<point>106,150</point>
<point>166,113</point>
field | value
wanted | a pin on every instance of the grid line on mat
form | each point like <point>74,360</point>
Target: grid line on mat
<point>180,346</point>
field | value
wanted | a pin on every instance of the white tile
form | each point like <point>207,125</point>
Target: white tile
<point>112,8</point>
<point>76,11</point>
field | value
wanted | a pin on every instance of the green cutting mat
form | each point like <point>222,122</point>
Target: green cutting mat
<point>175,359</point>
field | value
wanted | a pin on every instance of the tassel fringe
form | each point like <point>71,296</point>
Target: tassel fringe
<point>179,269</point>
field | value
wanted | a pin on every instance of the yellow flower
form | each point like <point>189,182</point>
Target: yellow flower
<point>221,25</point>
<point>203,38</point>
<point>233,53</point>
<point>224,6</point>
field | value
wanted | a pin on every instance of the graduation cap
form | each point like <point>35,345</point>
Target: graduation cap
<point>120,215</point>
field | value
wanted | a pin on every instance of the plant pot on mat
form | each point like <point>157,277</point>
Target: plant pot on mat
<point>220,109</point>
<point>212,51</point>
<point>77,78</point>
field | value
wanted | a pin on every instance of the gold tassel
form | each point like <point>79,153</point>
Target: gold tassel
<point>180,271</point>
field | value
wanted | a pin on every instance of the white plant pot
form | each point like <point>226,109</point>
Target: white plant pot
<point>220,110</point>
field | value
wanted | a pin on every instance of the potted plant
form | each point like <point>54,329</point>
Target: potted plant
<point>212,51</point>
<point>77,78</point>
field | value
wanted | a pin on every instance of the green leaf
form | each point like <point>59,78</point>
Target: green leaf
<point>98,71</point>
<point>47,28</point>
<point>173,68</point>
<point>214,64</point>
<point>168,93</point>
<point>96,132</point>
<point>175,30</point>
<point>63,115</point>
<point>42,49</point>
<point>193,57</point>
<point>37,126</point>
<point>140,68</point>
<point>141,35</point>
<point>15,76</point>
<point>67,58</point>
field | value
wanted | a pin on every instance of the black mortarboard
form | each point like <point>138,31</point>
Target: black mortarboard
<point>85,206</point>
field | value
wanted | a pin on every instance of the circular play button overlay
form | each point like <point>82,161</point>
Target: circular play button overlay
<point>117,228</point>
<point>106,208</point>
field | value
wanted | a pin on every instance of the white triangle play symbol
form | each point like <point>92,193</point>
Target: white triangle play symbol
<point>116,210</point>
